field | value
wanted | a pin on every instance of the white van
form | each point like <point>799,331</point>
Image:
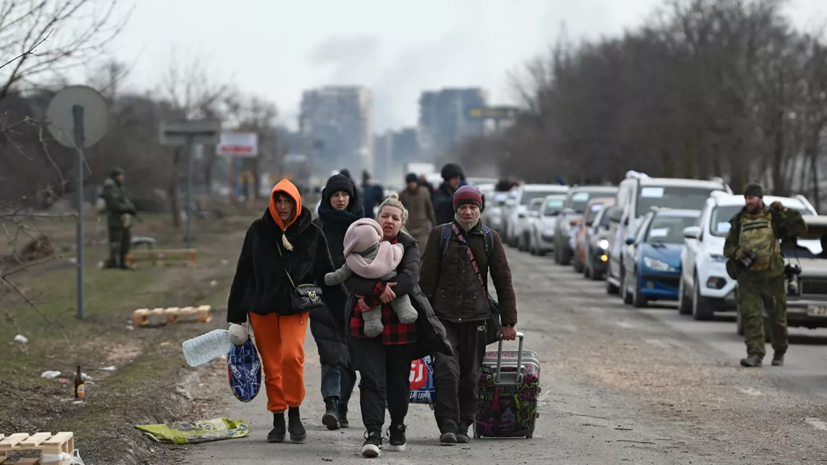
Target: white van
<point>636,195</point>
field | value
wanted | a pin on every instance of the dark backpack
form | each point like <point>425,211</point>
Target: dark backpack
<point>447,233</point>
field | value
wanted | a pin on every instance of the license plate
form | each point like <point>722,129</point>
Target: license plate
<point>817,310</point>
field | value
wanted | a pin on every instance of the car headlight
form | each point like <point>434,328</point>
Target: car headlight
<point>716,257</point>
<point>657,265</point>
<point>603,244</point>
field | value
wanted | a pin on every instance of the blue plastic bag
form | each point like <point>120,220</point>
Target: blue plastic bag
<point>244,367</point>
<point>422,381</point>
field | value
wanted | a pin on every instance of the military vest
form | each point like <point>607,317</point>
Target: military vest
<point>757,236</point>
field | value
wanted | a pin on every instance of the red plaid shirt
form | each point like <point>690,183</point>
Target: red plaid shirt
<point>395,333</point>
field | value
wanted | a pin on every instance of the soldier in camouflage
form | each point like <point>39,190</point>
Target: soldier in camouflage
<point>119,212</point>
<point>752,246</point>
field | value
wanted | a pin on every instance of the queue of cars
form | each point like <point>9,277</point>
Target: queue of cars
<point>655,239</point>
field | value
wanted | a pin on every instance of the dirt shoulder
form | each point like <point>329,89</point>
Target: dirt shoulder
<point>151,381</point>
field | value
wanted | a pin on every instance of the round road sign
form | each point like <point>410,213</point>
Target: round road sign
<point>61,121</point>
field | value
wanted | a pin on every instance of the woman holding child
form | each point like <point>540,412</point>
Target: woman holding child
<point>384,360</point>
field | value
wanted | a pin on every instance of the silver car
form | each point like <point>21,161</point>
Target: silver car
<point>541,235</point>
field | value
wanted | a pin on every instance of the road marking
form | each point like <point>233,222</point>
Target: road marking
<point>751,392</point>
<point>624,324</point>
<point>816,423</point>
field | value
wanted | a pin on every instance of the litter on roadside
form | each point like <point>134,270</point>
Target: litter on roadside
<point>193,432</point>
<point>112,368</point>
<point>54,449</point>
<point>21,339</point>
<point>50,374</point>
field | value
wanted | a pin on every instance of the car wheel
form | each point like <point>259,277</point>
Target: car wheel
<point>701,310</point>
<point>565,256</point>
<point>684,302</point>
<point>556,253</point>
<point>624,290</point>
<point>524,243</point>
<point>587,271</point>
<point>578,266</point>
<point>638,299</point>
<point>541,252</point>
<point>611,288</point>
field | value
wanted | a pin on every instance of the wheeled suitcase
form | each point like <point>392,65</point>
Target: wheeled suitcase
<point>508,390</point>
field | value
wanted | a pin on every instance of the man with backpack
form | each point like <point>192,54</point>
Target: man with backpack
<point>755,260</point>
<point>454,277</point>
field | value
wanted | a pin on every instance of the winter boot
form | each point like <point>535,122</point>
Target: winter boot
<point>397,438</point>
<point>373,444</point>
<point>449,434</point>
<point>295,426</point>
<point>343,416</point>
<point>752,361</point>
<point>278,431</point>
<point>462,433</point>
<point>778,359</point>
<point>331,413</point>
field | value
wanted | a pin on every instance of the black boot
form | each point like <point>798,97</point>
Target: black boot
<point>343,416</point>
<point>397,437</point>
<point>462,433</point>
<point>278,431</point>
<point>331,413</point>
<point>449,433</point>
<point>752,361</point>
<point>778,359</point>
<point>295,426</point>
<point>372,447</point>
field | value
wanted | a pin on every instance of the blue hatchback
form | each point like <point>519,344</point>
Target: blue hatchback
<point>653,257</point>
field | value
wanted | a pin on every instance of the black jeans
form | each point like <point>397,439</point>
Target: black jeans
<point>385,374</point>
<point>457,377</point>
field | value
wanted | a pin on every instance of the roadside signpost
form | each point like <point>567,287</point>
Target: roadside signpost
<point>78,117</point>
<point>497,114</point>
<point>189,133</point>
<point>237,145</point>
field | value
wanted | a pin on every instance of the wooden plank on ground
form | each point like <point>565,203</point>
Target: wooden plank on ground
<point>10,441</point>
<point>35,439</point>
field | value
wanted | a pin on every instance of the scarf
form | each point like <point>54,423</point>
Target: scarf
<point>363,235</point>
<point>466,226</point>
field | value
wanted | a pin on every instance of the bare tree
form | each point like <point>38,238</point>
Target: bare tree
<point>51,36</point>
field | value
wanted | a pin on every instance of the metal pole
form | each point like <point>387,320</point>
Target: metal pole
<point>77,113</point>
<point>189,191</point>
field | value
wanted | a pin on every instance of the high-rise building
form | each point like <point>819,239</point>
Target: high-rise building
<point>391,151</point>
<point>337,129</point>
<point>444,119</point>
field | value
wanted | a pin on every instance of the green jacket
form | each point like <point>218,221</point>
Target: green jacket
<point>117,204</point>
<point>785,224</point>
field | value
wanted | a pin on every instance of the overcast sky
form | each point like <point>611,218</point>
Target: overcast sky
<point>278,48</point>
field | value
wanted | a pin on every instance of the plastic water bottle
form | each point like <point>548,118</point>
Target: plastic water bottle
<point>206,347</point>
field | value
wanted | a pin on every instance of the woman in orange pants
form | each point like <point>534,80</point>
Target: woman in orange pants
<point>281,249</point>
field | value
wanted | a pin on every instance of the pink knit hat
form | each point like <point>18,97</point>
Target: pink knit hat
<point>362,234</point>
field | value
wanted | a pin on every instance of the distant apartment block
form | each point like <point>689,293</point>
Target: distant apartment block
<point>444,119</point>
<point>392,150</point>
<point>337,129</point>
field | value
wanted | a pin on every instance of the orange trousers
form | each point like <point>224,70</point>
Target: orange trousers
<point>280,343</point>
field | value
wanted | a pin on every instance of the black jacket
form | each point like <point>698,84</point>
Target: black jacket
<point>444,204</point>
<point>334,223</point>
<point>261,285</point>
<point>430,333</point>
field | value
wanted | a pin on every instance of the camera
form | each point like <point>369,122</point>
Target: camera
<point>792,272</point>
<point>749,260</point>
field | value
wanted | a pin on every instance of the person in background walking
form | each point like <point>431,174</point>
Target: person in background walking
<point>455,278</point>
<point>423,181</point>
<point>752,247</point>
<point>443,198</point>
<point>417,200</point>
<point>120,212</point>
<point>384,361</point>
<point>281,248</point>
<point>372,195</point>
<point>341,206</point>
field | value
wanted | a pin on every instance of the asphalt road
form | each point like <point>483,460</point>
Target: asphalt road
<point>620,386</point>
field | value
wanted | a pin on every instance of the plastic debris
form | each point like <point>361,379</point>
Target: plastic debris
<point>21,339</point>
<point>213,283</point>
<point>112,368</point>
<point>191,432</point>
<point>50,374</point>
<point>225,262</point>
<point>63,381</point>
<point>129,327</point>
<point>85,377</point>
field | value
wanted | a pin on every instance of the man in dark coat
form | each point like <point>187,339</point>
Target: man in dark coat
<point>120,211</point>
<point>443,198</point>
<point>341,206</point>
<point>372,195</point>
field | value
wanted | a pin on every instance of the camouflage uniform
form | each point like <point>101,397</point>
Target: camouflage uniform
<point>763,282</point>
<point>120,211</point>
